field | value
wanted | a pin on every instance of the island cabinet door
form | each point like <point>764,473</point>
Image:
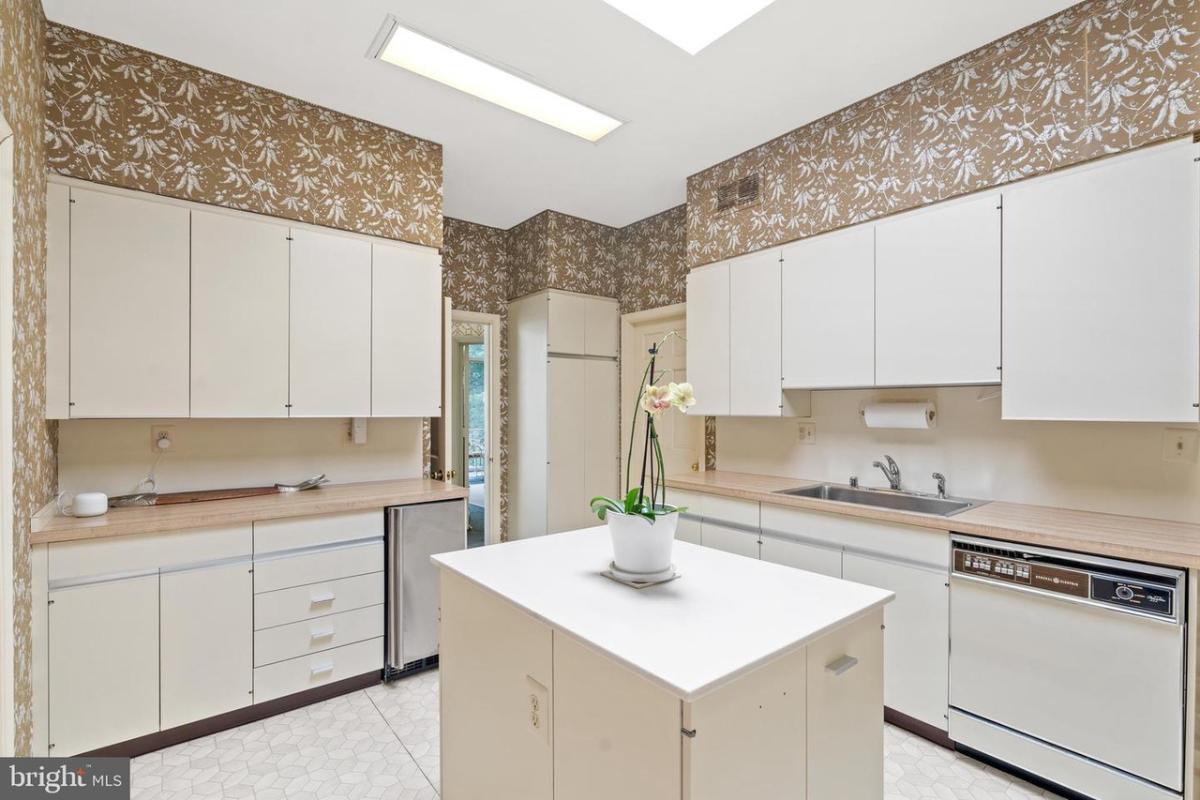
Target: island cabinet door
<point>496,687</point>
<point>750,736</point>
<point>845,712</point>
<point>616,734</point>
<point>917,675</point>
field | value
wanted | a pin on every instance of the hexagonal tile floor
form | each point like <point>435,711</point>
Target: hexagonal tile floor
<point>383,743</point>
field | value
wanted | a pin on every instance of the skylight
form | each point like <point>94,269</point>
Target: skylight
<point>429,58</point>
<point>690,24</point>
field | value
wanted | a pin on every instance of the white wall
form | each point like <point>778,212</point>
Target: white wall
<point>112,455</point>
<point>1112,467</point>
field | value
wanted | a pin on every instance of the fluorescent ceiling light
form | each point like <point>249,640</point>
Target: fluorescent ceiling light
<point>690,24</point>
<point>418,53</point>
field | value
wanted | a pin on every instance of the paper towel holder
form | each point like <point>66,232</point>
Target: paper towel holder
<point>926,409</point>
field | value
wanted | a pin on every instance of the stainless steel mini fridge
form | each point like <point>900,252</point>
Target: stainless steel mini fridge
<point>414,533</point>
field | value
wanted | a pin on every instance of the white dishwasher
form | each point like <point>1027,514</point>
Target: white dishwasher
<point>1071,667</point>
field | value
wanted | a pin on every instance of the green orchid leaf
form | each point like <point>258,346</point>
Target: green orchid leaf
<point>602,505</point>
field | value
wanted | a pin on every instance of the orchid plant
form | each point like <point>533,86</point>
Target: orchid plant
<point>653,400</point>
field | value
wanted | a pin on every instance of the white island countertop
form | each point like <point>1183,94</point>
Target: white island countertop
<point>724,616</point>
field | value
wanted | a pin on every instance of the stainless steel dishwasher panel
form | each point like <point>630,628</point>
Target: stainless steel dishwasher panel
<point>415,533</point>
<point>1104,682</point>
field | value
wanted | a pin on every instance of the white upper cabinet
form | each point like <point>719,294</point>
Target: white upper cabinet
<point>58,301</point>
<point>330,325</point>
<point>128,307</point>
<point>406,332</point>
<point>708,338</point>
<point>582,325</point>
<point>754,336</point>
<point>1102,291</point>
<point>239,316</point>
<point>937,295</point>
<point>829,310</point>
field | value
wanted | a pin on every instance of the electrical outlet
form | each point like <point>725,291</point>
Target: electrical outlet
<point>806,432</point>
<point>1180,445</point>
<point>539,708</point>
<point>160,435</point>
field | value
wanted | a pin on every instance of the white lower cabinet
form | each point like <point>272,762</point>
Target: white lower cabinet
<point>103,655</point>
<point>309,672</point>
<point>802,555</point>
<point>917,637</point>
<point>206,640</point>
<point>732,540</point>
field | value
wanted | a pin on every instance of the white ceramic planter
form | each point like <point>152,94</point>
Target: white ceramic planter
<point>642,546</point>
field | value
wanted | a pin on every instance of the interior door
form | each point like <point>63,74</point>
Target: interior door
<point>680,435</point>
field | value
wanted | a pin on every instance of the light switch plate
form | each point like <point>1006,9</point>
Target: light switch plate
<point>1180,445</point>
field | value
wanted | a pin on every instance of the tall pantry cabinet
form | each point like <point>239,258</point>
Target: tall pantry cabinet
<point>563,405</point>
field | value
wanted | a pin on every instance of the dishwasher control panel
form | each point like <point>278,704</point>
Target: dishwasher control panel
<point>1109,587</point>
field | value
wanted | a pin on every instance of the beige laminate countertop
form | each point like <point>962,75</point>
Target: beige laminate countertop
<point>49,526</point>
<point>1158,541</point>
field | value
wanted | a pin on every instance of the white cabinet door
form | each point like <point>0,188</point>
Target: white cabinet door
<point>330,326</point>
<point>802,555</point>
<point>129,307</point>
<point>239,316</point>
<point>567,434</point>
<point>937,295</point>
<point>731,540</point>
<point>755,336</point>
<point>103,664</point>
<point>566,323</point>
<point>600,431</point>
<point>406,332</point>
<point>207,640</point>
<point>603,334</point>
<point>829,310</point>
<point>58,301</point>
<point>917,637</point>
<point>708,338</point>
<point>1102,291</point>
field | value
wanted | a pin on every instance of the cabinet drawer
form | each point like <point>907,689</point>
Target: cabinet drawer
<point>317,634</point>
<point>904,542</point>
<point>317,600</point>
<point>288,534</point>
<point>87,557</point>
<point>320,565</point>
<point>692,501</point>
<point>731,540</point>
<point>306,672</point>
<point>728,509</point>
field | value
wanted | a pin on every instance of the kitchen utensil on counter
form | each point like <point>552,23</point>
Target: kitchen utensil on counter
<point>178,498</point>
<point>83,504</point>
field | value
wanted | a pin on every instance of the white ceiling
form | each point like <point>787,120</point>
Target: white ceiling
<point>793,62</point>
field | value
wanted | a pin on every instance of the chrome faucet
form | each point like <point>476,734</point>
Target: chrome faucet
<point>891,471</point>
<point>941,483</point>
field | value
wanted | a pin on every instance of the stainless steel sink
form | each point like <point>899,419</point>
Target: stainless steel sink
<point>885,498</point>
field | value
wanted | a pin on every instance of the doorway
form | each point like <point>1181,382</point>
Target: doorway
<point>681,435</point>
<point>474,420</point>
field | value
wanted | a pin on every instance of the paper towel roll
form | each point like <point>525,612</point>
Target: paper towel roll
<point>899,415</point>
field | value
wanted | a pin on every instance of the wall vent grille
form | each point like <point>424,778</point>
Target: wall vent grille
<point>740,192</point>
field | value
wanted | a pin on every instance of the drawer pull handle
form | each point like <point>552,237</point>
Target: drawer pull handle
<point>323,633</point>
<point>321,669</point>
<point>323,597</point>
<point>842,665</point>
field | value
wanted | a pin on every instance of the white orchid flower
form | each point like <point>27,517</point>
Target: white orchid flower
<point>681,396</point>
<point>656,399</point>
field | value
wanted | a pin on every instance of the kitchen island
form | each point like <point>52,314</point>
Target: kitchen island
<point>738,679</point>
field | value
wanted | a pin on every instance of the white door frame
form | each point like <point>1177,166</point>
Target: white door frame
<point>7,590</point>
<point>491,340</point>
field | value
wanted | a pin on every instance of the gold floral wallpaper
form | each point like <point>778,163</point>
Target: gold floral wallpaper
<point>558,251</point>
<point>34,465</point>
<point>127,117</point>
<point>652,261</point>
<point>475,276</point>
<point>1101,77</point>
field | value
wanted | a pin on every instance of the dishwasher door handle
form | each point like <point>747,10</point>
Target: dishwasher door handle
<point>841,665</point>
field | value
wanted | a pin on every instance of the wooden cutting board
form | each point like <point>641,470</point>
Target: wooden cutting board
<point>178,498</point>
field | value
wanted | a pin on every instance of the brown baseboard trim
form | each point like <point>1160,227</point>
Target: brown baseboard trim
<point>231,719</point>
<point>913,725</point>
